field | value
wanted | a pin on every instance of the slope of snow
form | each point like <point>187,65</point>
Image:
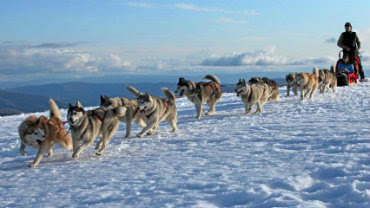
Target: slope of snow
<point>294,154</point>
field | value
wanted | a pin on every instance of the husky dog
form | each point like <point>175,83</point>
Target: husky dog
<point>290,79</point>
<point>274,96</point>
<point>154,110</point>
<point>132,114</point>
<point>307,83</point>
<point>327,79</point>
<point>87,125</point>
<point>42,133</point>
<point>201,92</point>
<point>252,94</point>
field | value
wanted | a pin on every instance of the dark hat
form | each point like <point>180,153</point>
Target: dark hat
<point>348,24</point>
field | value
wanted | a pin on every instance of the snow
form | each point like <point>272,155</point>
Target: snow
<point>311,153</point>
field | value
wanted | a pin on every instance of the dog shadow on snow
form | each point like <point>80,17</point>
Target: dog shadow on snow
<point>23,162</point>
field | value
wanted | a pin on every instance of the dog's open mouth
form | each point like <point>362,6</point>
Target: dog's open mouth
<point>238,93</point>
<point>143,110</point>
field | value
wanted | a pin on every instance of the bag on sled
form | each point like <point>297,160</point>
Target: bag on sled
<point>342,79</point>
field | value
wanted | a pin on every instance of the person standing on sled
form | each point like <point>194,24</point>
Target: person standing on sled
<point>350,44</point>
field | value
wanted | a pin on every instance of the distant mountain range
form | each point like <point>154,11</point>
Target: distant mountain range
<point>35,98</point>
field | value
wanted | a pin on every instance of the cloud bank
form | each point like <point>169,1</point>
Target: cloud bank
<point>56,58</point>
<point>265,57</point>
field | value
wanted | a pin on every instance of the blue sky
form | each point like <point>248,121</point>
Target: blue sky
<point>68,40</point>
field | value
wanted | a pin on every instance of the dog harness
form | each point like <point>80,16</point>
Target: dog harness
<point>165,110</point>
<point>93,113</point>
<point>250,95</point>
<point>213,85</point>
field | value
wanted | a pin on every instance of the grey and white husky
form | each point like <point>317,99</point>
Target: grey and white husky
<point>252,94</point>
<point>87,125</point>
<point>327,79</point>
<point>132,114</point>
<point>290,80</point>
<point>154,110</point>
<point>201,92</point>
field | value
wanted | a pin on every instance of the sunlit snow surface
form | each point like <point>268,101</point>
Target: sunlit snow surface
<point>294,154</point>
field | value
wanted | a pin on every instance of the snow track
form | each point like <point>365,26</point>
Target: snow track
<point>294,154</point>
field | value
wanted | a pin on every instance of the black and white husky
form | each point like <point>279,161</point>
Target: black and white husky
<point>87,125</point>
<point>154,110</point>
<point>201,92</point>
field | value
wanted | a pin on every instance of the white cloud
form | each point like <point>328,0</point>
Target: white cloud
<point>232,21</point>
<point>265,57</point>
<point>192,7</point>
<point>21,59</point>
<point>141,5</point>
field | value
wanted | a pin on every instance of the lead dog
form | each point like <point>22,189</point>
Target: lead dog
<point>252,94</point>
<point>290,79</point>
<point>154,110</point>
<point>201,92</point>
<point>327,79</point>
<point>132,114</point>
<point>87,125</point>
<point>307,83</point>
<point>43,133</point>
<point>274,88</point>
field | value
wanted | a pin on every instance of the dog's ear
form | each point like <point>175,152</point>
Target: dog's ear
<point>101,99</point>
<point>181,79</point>
<point>70,105</point>
<point>243,81</point>
<point>147,94</point>
<point>78,104</point>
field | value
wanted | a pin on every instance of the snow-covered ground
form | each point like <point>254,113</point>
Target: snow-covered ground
<point>294,154</point>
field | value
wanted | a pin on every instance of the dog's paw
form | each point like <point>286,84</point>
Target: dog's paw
<point>23,153</point>
<point>75,155</point>
<point>127,135</point>
<point>50,154</point>
<point>139,135</point>
<point>32,165</point>
<point>98,154</point>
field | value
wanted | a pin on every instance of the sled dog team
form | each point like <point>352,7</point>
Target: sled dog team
<point>148,111</point>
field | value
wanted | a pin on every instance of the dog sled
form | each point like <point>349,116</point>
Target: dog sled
<point>344,78</point>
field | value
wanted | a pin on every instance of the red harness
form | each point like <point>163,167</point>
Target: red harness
<point>165,110</point>
<point>93,113</point>
<point>213,85</point>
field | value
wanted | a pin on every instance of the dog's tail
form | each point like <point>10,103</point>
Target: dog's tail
<point>315,72</point>
<point>213,78</point>
<point>67,141</point>
<point>169,95</point>
<point>120,111</point>
<point>134,91</point>
<point>332,69</point>
<point>54,110</point>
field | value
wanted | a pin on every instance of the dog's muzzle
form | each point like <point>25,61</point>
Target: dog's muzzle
<point>142,110</point>
<point>238,92</point>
